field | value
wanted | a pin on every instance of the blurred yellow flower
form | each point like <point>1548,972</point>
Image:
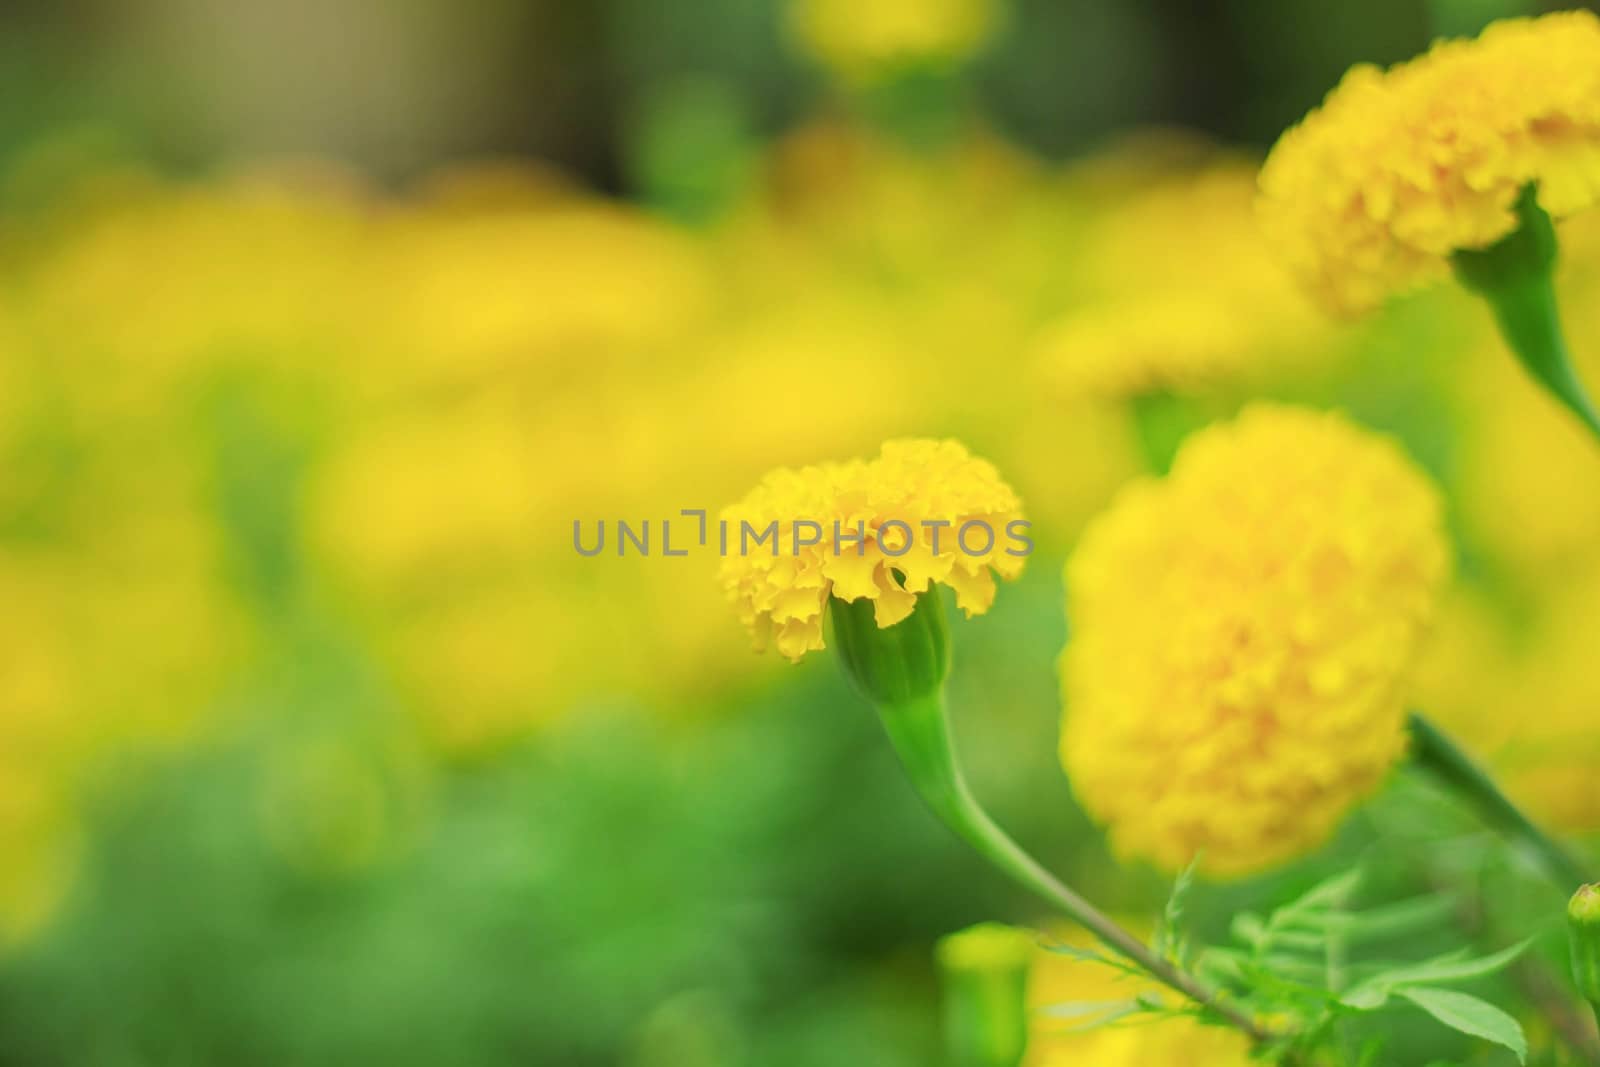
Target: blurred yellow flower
<point>1179,342</point>
<point>858,40</point>
<point>255,271</point>
<point>1059,979</point>
<point>1180,292</point>
<point>923,509</point>
<point>1240,635</point>
<point>550,291</point>
<point>1399,169</point>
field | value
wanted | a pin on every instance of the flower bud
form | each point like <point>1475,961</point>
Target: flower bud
<point>892,665</point>
<point>984,971</point>
<point>1583,920</point>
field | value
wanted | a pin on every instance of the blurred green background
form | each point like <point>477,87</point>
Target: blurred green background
<point>320,324</point>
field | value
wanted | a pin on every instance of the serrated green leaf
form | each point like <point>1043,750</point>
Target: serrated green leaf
<point>1390,920</point>
<point>1080,1009</point>
<point>1221,964</point>
<point>1092,1015</point>
<point>1294,967</point>
<point>1168,936</point>
<point>1061,948</point>
<point>1328,894</point>
<point>1089,955</point>
<point>1452,967</point>
<point>1151,1000</point>
<point>1366,997</point>
<point>1297,939</point>
<point>1248,928</point>
<point>1470,1015</point>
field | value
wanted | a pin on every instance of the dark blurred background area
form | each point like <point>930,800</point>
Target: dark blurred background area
<point>396,88</point>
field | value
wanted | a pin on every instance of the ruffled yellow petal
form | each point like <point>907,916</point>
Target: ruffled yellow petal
<point>922,513</point>
<point>1241,633</point>
<point>1373,191</point>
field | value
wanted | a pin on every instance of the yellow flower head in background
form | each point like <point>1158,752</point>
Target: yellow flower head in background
<point>1180,292</point>
<point>861,40</point>
<point>1399,169</point>
<point>1241,632</point>
<point>1177,342</point>
<point>925,511</point>
<point>1059,979</point>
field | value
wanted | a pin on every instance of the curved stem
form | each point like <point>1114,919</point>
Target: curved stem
<point>1434,750</point>
<point>1528,319</point>
<point>920,735</point>
<point>1515,275</point>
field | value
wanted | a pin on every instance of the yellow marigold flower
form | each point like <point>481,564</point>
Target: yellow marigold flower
<point>1179,342</point>
<point>1241,631</point>
<point>924,510</point>
<point>1183,294</point>
<point>859,40</point>
<point>1399,169</point>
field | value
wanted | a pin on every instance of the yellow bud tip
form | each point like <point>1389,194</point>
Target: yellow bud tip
<point>1584,908</point>
<point>986,947</point>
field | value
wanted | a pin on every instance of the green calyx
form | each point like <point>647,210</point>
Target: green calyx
<point>892,665</point>
<point>1515,276</point>
<point>1583,922</point>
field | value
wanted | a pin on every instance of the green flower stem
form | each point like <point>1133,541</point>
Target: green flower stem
<point>972,1038</point>
<point>920,733</point>
<point>984,975</point>
<point>1433,749</point>
<point>1515,275</point>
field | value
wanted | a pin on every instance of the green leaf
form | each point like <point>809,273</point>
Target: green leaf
<point>1448,968</point>
<point>1366,997</point>
<point>1089,955</point>
<point>1332,893</point>
<point>1151,1000</point>
<point>1221,965</point>
<point>1082,1009</point>
<point>1073,952</point>
<point>1302,940</point>
<point>1471,1016</point>
<point>1168,939</point>
<point>1248,928</point>
<point>1092,1014</point>
<point>1390,920</point>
